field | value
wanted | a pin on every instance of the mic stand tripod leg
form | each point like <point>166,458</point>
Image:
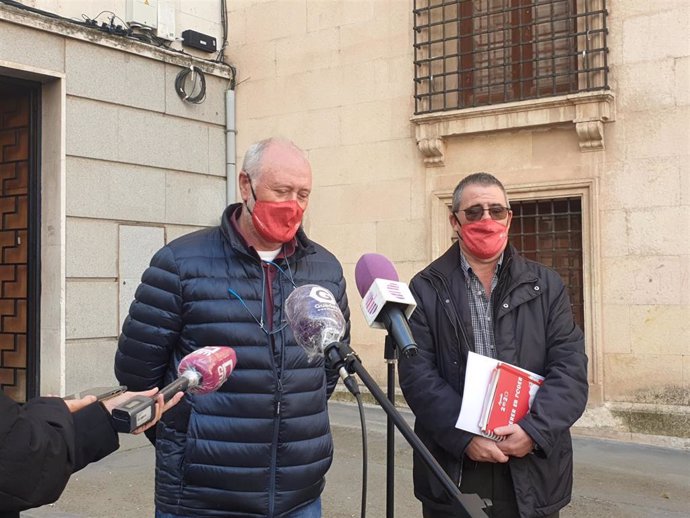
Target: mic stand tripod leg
<point>467,505</point>
<point>391,356</point>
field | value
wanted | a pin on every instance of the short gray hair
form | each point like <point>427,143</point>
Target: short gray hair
<point>252,157</point>
<point>484,179</point>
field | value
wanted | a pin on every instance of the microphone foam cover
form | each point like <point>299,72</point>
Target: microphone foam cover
<point>371,267</point>
<point>214,364</point>
<point>314,317</point>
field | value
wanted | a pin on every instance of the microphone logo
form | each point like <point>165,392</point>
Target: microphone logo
<point>370,304</point>
<point>321,294</point>
<point>226,367</point>
<point>394,290</point>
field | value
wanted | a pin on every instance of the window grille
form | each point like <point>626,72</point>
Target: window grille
<point>550,231</point>
<point>480,52</point>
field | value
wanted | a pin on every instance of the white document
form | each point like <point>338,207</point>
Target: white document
<point>477,377</point>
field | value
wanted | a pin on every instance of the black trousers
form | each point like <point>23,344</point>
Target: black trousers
<point>488,480</point>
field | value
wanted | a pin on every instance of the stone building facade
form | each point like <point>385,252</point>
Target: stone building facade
<point>609,158</point>
<point>592,145</point>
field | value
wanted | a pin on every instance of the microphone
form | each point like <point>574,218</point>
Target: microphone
<point>315,318</point>
<point>200,372</point>
<point>318,325</point>
<point>386,302</point>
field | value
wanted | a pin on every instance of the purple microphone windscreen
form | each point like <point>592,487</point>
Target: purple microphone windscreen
<point>371,267</point>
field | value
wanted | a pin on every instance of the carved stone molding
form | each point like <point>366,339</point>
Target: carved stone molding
<point>590,134</point>
<point>587,112</point>
<point>433,150</point>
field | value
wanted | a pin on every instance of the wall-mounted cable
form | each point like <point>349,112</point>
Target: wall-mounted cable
<point>191,78</point>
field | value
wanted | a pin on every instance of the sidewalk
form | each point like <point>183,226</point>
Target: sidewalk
<point>612,479</point>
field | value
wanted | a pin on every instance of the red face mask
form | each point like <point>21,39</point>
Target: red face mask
<point>277,221</point>
<point>485,238</point>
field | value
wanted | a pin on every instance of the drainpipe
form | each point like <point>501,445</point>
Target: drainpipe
<point>230,146</point>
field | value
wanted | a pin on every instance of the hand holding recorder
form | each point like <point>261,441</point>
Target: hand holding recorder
<point>200,372</point>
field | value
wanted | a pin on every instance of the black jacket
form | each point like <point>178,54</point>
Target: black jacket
<point>42,444</point>
<point>534,329</point>
<point>261,445</point>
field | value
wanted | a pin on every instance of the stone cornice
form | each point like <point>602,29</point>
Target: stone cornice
<point>587,111</point>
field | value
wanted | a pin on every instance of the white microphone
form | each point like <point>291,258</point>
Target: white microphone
<point>318,325</point>
<point>315,318</point>
<point>386,302</point>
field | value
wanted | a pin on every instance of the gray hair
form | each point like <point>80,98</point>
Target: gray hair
<point>484,179</point>
<point>252,157</point>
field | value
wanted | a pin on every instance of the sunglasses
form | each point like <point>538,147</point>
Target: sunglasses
<point>476,212</point>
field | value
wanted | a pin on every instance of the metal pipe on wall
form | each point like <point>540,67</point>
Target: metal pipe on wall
<point>230,147</point>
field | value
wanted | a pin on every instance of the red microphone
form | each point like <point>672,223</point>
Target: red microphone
<point>206,368</point>
<point>200,372</point>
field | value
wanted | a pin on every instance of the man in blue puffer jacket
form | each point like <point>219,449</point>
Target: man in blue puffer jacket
<point>261,445</point>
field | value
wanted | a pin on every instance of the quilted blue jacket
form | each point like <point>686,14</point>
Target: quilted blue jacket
<point>260,446</point>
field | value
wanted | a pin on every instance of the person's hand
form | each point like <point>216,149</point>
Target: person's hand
<point>161,406</point>
<point>517,442</point>
<point>77,404</point>
<point>481,449</point>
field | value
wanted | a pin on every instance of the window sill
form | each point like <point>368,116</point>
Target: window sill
<point>587,111</point>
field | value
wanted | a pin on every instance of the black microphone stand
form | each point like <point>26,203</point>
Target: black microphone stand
<point>390,353</point>
<point>341,355</point>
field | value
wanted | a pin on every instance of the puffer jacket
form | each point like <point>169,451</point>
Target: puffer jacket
<point>259,446</point>
<point>534,329</point>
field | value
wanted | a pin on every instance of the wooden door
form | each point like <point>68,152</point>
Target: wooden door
<point>18,238</point>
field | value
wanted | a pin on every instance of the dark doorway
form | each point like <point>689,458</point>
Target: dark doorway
<point>19,237</point>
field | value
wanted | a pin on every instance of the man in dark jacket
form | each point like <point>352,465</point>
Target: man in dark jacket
<point>482,296</point>
<point>46,440</point>
<point>261,445</point>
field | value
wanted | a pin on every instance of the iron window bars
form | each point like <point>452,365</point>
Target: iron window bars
<point>480,52</point>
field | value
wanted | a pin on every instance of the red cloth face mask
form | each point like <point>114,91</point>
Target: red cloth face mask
<point>277,221</point>
<point>485,238</point>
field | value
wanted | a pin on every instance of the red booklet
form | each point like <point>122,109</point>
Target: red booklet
<point>508,397</point>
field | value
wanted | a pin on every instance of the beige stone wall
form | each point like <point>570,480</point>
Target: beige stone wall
<point>645,207</point>
<point>337,78</point>
<point>136,167</point>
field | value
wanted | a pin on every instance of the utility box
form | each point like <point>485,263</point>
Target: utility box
<point>142,13</point>
<point>166,20</point>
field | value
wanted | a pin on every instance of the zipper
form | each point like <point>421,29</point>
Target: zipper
<point>451,313</point>
<point>280,396</point>
<point>276,356</point>
<point>274,450</point>
<point>456,323</point>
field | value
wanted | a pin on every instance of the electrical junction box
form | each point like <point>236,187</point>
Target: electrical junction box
<point>199,40</point>
<point>142,13</point>
<point>166,20</point>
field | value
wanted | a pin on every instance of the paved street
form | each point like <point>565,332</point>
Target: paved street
<point>612,479</point>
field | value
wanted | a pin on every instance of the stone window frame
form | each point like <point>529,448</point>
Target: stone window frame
<point>586,190</point>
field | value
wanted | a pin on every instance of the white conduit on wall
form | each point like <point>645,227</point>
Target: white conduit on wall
<point>230,147</point>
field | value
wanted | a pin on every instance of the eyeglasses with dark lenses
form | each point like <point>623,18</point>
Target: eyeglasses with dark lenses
<point>475,213</point>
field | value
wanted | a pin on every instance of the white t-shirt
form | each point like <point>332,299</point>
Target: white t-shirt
<point>268,255</point>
